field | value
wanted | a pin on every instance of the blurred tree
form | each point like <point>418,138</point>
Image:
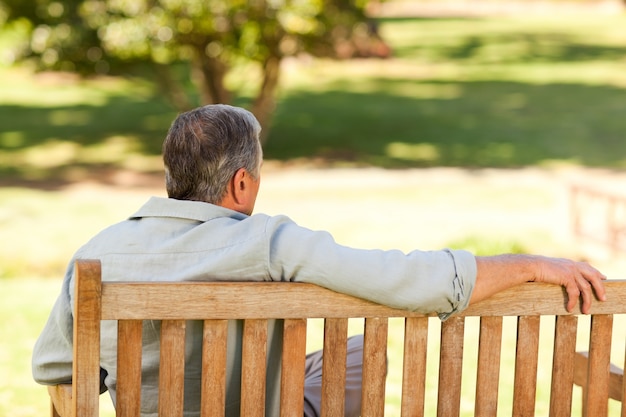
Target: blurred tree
<point>210,36</point>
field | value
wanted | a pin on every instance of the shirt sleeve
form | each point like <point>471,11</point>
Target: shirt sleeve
<point>52,353</point>
<point>421,281</point>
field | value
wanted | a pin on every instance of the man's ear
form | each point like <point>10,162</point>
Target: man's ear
<point>240,192</point>
<point>238,186</point>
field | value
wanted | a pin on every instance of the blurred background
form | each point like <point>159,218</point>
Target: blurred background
<point>491,125</point>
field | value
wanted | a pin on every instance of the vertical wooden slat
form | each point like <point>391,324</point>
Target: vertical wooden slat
<point>53,410</point>
<point>60,400</point>
<point>293,368</point>
<point>253,372</point>
<point>562,370</point>
<point>215,335</point>
<point>128,368</point>
<point>526,358</point>
<point>450,367</point>
<point>172,368</point>
<point>374,367</point>
<point>597,391</point>
<point>334,367</point>
<point>86,366</point>
<point>414,366</point>
<point>488,368</point>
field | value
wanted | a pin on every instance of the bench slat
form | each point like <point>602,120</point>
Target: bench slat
<point>374,367</point>
<point>60,400</point>
<point>129,337</point>
<point>334,367</point>
<point>275,300</point>
<point>562,369</point>
<point>293,368</point>
<point>253,372</point>
<point>414,366</point>
<point>450,366</point>
<point>488,368</point>
<point>526,356</point>
<point>596,403</point>
<point>172,368</point>
<point>85,403</point>
<point>215,333</point>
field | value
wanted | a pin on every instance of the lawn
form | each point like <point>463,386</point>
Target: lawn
<point>517,92</point>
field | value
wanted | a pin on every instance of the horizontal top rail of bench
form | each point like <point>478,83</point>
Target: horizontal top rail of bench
<point>275,300</point>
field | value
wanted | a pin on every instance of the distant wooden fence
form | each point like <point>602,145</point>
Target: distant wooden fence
<point>599,216</point>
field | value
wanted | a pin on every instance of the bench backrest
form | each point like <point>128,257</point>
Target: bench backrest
<point>256,303</point>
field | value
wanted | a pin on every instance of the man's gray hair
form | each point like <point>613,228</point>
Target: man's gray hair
<point>205,147</point>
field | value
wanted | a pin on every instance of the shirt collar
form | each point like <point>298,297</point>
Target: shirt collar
<point>185,209</point>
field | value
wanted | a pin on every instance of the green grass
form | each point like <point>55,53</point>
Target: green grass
<point>481,92</point>
<point>503,92</point>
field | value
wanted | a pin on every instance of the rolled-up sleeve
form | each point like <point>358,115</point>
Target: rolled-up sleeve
<point>422,281</point>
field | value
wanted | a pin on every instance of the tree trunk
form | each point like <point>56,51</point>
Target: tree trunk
<point>208,75</point>
<point>171,87</point>
<point>265,102</point>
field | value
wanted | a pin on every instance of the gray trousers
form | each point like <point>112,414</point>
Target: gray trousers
<point>354,376</point>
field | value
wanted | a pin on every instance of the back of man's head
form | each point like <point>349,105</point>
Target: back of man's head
<point>205,147</point>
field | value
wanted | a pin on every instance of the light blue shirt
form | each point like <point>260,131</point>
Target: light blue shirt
<point>174,240</point>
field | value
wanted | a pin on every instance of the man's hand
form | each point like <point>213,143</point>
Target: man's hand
<point>579,279</point>
<point>497,273</point>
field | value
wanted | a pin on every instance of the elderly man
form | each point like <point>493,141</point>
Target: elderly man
<point>205,230</point>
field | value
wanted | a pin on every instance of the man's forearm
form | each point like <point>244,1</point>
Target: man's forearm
<point>497,273</point>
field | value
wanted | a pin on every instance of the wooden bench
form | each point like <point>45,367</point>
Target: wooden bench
<point>255,303</point>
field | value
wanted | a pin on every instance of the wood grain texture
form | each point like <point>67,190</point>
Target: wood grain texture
<point>293,368</point>
<point>60,400</point>
<point>172,368</point>
<point>228,300</point>
<point>374,367</point>
<point>597,393</point>
<point>526,358</point>
<point>562,369</point>
<point>334,367</point>
<point>256,303</point>
<point>253,373</point>
<point>214,348</point>
<point>86,365</point>
<point>129,338</point>
<point>450,367</point>
<point>414,366</point>
<point>488,368</point>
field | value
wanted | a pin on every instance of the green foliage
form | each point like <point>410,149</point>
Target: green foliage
<point>208,37</point>
<point>98,36</point>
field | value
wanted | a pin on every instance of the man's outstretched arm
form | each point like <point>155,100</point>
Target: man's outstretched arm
<point>499,272</point>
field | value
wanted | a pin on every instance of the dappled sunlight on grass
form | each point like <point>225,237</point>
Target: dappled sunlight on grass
<point>417,152</point>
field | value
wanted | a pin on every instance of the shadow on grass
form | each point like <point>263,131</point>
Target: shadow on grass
<point>42,146</point>
<point>398,123</point>
<point>463,124</point>
<point>483,40</point>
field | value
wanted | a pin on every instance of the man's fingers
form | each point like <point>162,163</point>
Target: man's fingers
<point>580,280</point>
<point>589,281</point>
<point>573,294</point>
<point>595,279</point>
<point>585,292</point>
